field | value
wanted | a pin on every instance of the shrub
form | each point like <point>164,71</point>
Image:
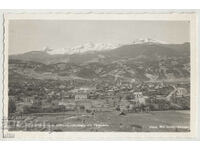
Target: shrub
<point>11,107</point>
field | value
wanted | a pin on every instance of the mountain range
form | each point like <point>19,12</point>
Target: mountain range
<point>146,49</point>
<point>143,60</point>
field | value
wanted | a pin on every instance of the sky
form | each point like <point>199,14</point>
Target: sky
<point>34,35</point>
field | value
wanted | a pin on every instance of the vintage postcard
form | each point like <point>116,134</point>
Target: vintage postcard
<point>100,76</point>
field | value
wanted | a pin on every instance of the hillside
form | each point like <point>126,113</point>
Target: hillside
<point>146,51</point>
<point>161,72</point>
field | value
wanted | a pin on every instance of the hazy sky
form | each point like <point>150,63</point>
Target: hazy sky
<point>31,35</point>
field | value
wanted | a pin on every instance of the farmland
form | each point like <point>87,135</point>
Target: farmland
<point>155,121</point>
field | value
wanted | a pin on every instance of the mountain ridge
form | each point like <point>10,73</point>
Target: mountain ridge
<point>145,50</point>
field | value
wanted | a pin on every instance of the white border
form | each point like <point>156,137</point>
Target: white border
<point>111,135</point>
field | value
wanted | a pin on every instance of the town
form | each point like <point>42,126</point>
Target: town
<point>57,96</point>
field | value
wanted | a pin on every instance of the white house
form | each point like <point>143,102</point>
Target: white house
<point>140,98</point>
<point>181,92</point>
<point>80,96</point>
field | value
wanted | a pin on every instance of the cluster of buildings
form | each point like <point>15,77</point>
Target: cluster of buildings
<point>83,101</point>
<point>99,97</point>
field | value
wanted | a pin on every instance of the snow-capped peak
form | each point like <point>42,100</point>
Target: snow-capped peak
<point>92,47</point>
<point>87,47</point>
<point>148,41</point>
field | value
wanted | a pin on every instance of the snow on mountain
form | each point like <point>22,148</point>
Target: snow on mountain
<point>148,41</point>
<point>89,47</point>
<point>93,47</point>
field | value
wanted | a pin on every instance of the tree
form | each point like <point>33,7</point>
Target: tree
<point>11,106</point>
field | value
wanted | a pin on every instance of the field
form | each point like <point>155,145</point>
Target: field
<point>157,121</point>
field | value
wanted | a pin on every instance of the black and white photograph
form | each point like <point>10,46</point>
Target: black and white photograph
<point>99,75</point>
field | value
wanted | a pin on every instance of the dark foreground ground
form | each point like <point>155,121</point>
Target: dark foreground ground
<point>157,121</point>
